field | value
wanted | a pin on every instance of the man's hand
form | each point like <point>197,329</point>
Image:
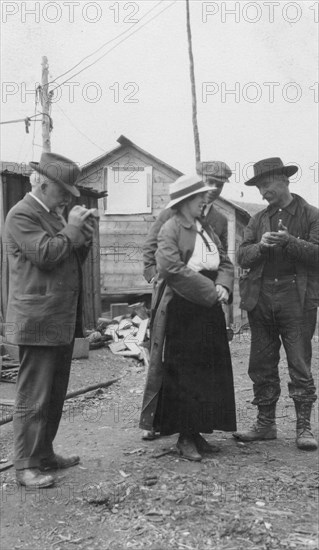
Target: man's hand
<point>272,239</point>
<point>222,294</point>
<point>78,216</point>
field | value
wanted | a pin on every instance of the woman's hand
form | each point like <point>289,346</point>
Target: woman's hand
<point>222,294</point>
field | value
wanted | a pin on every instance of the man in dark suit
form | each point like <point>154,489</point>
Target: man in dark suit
<point>215,174</point>
<point>281,294</point>
<point>45,254</point>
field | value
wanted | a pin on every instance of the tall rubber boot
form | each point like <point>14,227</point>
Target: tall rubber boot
<point>305,439</point>
<point>265,427</point>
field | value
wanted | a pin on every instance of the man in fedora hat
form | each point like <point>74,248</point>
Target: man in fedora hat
<point>214,174</point>
<point>45,254</point>
<point>281,293</point>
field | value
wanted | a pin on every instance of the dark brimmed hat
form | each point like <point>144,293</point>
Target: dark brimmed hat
<point>214,169</point>
<point>59,169</point>
<point>270,166</point>
<point>184,187</point>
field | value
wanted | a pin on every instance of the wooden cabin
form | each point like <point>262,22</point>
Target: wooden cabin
<point>137,184</point>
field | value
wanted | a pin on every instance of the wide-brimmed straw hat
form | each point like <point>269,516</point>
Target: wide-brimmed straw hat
<point>268,167</point>
<point>59,169</point>
<point>184,187</point>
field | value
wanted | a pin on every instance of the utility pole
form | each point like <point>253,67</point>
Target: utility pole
<point>45,102</point>
<point>193,85</point>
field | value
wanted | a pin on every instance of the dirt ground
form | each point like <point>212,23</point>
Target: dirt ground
<point>262,495</point>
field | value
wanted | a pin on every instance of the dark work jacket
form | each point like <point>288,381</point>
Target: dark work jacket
<point>302,249</point>
<point>214,218</point>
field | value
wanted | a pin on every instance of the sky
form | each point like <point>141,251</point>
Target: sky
<point>256,82</point>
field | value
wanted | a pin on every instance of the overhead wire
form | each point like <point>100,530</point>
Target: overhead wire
<point>103,45</point>
<point>116,45</point>
<point>80,132</point>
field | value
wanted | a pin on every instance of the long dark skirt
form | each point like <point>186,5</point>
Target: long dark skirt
<point>197,393</point>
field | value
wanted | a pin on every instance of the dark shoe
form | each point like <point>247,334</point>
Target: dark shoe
<point>59,462</point>
<point>32,477</point>
<point>257,433</point>
<point>187,449</point>
<point>203,446</point>
<point>305,440</point>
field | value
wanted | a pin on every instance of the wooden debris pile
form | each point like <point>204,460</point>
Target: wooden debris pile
<point>9,369</point>
<point>126,335</point>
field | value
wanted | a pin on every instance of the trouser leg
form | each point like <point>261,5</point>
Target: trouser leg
<point>264,353</point>
<point>57,396</point>
<point>35,384</point>
<point>297,334</point>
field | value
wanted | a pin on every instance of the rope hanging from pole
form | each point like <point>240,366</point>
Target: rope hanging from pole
<point>193,85</point>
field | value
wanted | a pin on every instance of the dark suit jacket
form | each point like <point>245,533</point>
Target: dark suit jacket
<point>213,218</point>
<point>45,276</point>
<point>302,249</point>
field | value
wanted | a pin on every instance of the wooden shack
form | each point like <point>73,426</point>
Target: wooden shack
<point>14,184</point>
<point>137,184</point>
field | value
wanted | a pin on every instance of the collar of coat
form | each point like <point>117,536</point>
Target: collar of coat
<point>182,220</point>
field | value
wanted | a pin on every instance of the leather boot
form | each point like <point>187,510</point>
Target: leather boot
<point>58,462</point>
<point>187,449</point>
<point>305,439</point>
<point>265,427</point>
<point>203,446</point>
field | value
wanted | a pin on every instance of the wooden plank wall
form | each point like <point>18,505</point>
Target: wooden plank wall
<point>122,236</point>
<point>13,187</point>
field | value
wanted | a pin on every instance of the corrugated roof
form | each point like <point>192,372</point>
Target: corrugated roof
<point>15,168</point>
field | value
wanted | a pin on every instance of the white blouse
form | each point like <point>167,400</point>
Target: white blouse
<point>205,254</point>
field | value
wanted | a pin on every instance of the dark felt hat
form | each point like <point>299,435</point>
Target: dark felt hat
<point>268,167</point>
<point>59,169</point>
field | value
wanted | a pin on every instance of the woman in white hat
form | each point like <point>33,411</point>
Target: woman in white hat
<point>189,388</point>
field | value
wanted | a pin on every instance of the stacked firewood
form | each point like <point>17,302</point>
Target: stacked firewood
<point>126,335</point>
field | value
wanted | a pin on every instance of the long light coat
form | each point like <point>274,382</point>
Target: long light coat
<point>176,244</point>
<point>214,218</point>
<point>45,276</point>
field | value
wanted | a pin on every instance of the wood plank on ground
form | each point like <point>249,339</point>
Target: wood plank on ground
<point>140,336</point>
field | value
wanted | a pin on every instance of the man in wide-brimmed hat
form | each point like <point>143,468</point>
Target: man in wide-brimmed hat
<point>45,254</point>
<point>281,294</point>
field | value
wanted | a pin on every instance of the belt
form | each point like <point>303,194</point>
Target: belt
<point>280,278</point>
